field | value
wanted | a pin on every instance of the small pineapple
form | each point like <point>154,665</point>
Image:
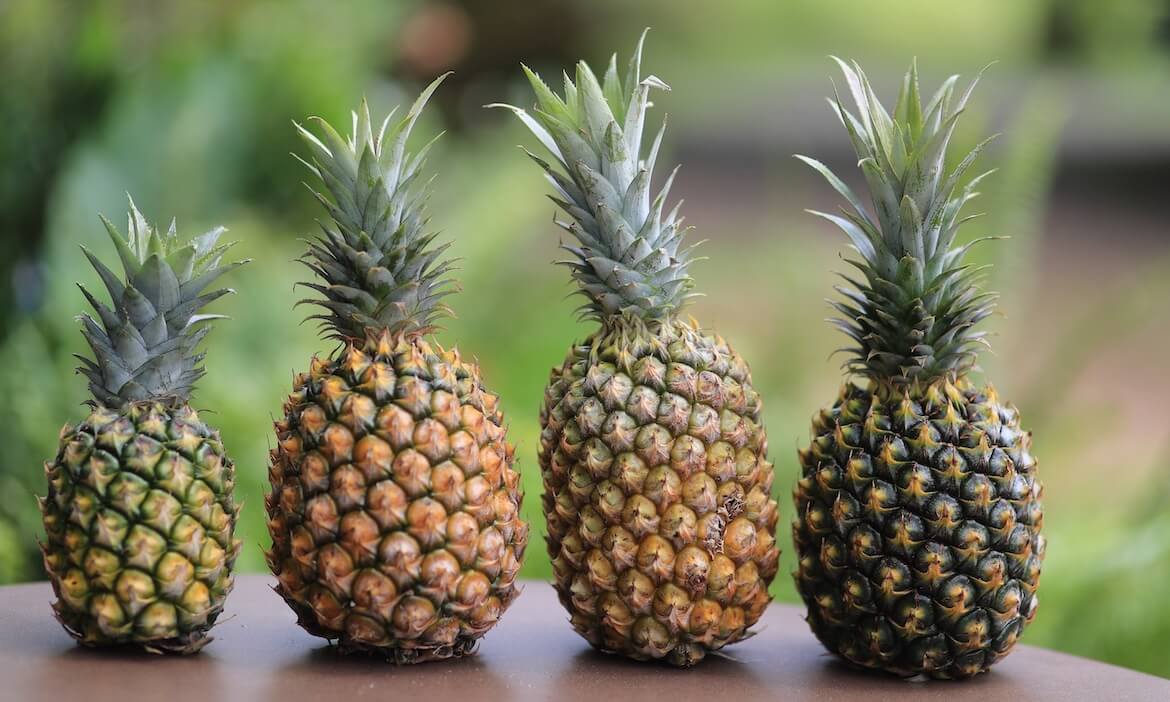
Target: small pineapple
<point>918,511</point>
<point>661,525</point>
<point>394,509</point>
<point>139,514</point>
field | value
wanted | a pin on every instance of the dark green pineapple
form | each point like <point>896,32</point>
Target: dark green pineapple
<point>918,518</point>
<point>139,513</point>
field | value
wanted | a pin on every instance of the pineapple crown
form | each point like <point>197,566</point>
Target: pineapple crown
<point>629,258</point>
<point>374,257</point>
<point>144,342</point>
<point>913,313</point>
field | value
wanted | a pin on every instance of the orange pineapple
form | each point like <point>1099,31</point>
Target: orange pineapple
<point>395,508</point>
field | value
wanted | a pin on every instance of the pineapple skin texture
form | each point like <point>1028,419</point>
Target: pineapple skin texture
<point>657,494</point>
<point>917,529</point>
<point>139,520</point>
<point>394,508</point>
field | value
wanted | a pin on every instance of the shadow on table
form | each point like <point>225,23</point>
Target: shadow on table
<point>78,672</point>
<point>591,660</point>
<point>72,654</point>
<point>835,673</point>
<point>351,675</point>
<point>592,674</point>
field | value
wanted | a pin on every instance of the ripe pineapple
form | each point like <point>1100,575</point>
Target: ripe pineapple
<point>139,514</point>
<point>394,510</point>
<point>918,510</point>
<point>657,489</point>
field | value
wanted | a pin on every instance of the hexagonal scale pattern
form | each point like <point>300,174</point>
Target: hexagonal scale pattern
<point>394,509</point>
<point>918,528</point>
<point>139,518</point>
<point>657,493</point>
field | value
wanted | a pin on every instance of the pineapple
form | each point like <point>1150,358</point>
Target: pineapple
<point>918,511</point>
<point>394,507</point>
<point>139,514</point>
<point>657,490</point>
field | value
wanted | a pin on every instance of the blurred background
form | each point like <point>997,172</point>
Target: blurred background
<point>188,107</point>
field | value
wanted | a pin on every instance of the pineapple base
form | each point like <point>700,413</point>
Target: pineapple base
<point>917,528</point>
<point>139,518</point>
<point>408,653</point>
<point>661,527</point>
<point>394,508</point>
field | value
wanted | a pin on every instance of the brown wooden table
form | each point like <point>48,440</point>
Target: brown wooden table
<point>260,654</point>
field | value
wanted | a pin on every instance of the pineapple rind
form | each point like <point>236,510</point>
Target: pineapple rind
<point>918,528</point>
<point>394,508</point>
<point>657,492</point>
<point>139,521</point>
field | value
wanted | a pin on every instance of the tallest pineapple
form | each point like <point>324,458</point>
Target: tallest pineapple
<point>657,490</point>
<point>918,515</point>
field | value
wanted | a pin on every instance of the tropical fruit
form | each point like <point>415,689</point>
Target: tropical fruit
<point>657,490</point>
<point>918,514</point>
<point>139,513</point>
<point>394,507</point>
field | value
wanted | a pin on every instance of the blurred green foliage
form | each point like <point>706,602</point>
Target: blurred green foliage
<point>188,106</point>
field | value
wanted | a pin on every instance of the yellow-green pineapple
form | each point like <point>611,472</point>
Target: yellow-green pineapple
<point>139,514</point>
<point>918,513</point>
<point>652,451</point>
<point>394,507</point>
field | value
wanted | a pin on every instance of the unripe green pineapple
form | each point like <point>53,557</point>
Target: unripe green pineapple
<point>394,509</point>
<point>918,510</point>
<point>657,487</point>
<point>139,514</point>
